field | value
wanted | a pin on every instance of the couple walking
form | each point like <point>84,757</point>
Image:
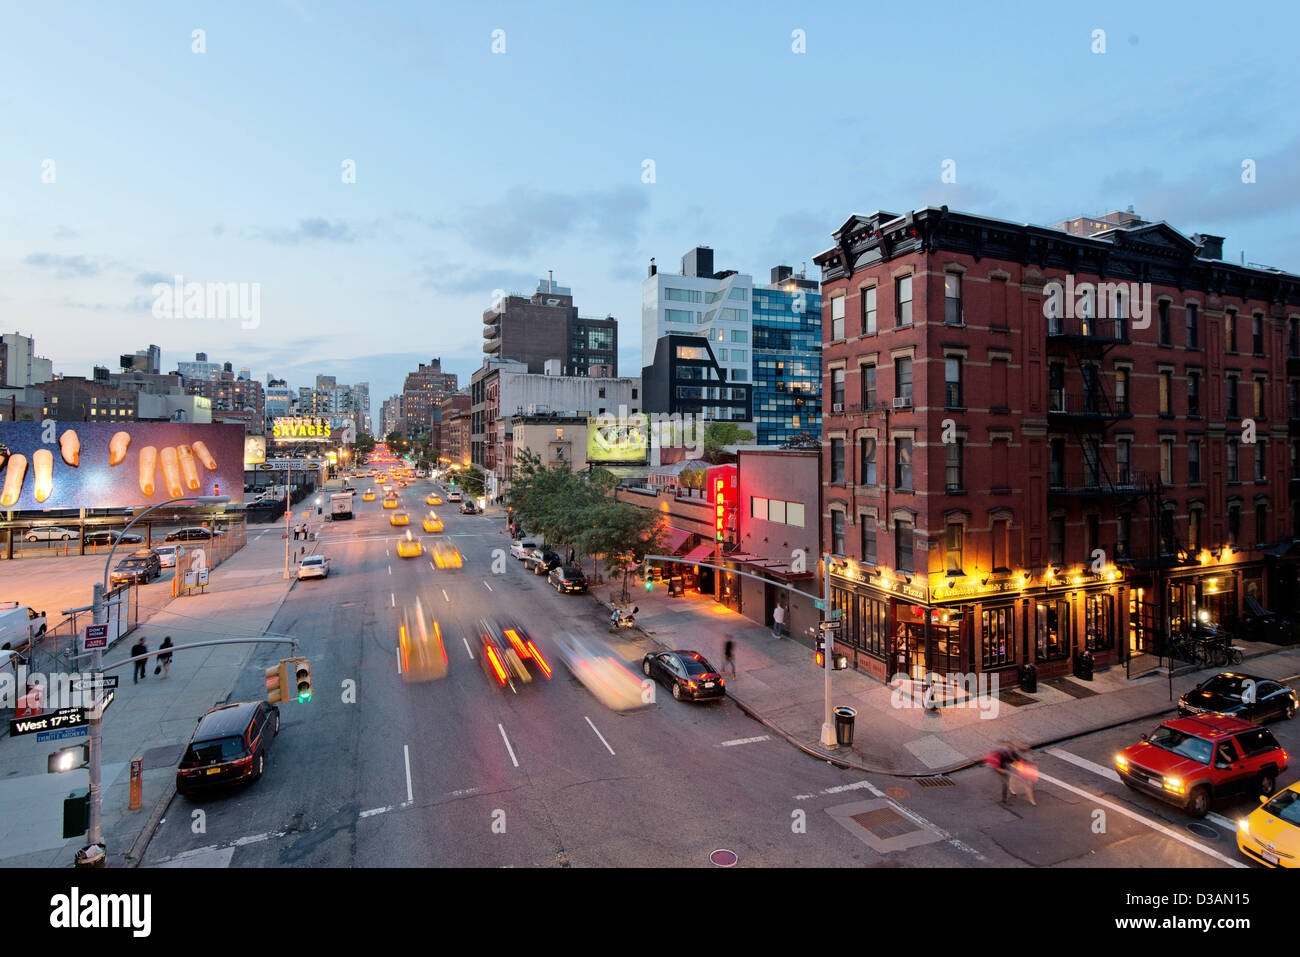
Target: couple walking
<point>142,666</point>
<point>1010,761</point>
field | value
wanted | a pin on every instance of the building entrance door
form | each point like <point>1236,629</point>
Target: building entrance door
<point>909,650</point>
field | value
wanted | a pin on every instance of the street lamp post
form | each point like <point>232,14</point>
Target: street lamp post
<point>94,853</point>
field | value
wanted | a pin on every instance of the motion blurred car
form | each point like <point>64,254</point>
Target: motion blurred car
<point>108,537</point>
<point>314,566</point>
<point>521,547</point>
<point>432,500</point>
<point>424,656</point>
<point>192,533</point>
<point>228,746</point>
<point>1271,834</point>
<point>455,496</point>
<point>1248,697</point>
<point>541,560</point>
<point>409,547</point>
<point>49,533</point>
<point>446,555</point>
<point>391,502</point>
<point>686,673</point>
<point>506,651</point>
<point>400,518</point>
<point>167,554</point>
<point>1190,762</point>
<point>603,674</point>
<point>467,507</point>
<point>432,523</point>
<point>368,495</point>
<point>568,578</point>
<point>138,569</point>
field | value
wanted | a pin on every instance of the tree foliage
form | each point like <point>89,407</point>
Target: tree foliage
<point>721,434</point>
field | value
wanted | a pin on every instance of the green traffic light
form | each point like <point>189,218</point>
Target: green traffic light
<point>304,696</point>
<point>649,585</point>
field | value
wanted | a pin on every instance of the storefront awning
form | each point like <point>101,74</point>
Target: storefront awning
<point>699,553</point>
<point>674,538</point>
<point>1279,550</point>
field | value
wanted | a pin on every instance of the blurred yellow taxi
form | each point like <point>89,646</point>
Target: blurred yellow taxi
<point>368,495</point>
<point>432,500</point>
<point>446,555</point>
<point>399,518</point>
<point>424,657</point>
<point>409,547</point>
<point>432,523</point>
<point>1271,835</point>
<point>391,503</point>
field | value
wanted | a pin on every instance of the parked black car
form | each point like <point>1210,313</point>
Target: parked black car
<point>229,746</point>
<point>108,537</point>
<point>1248,697</point>
<point>568,578</point>
<point>140,568</point>
<point>541,560</point>
<point>192,533</point>
<point>467,507</point>
<point>686,673</point>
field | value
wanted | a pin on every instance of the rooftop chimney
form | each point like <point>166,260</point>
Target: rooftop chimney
<point>1209,247</point>
<point>780,273</point>
<point>653,268</point>
<point>698,262</point>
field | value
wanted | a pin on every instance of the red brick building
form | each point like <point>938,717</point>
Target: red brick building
<point>455,435</point>
<point>1019,468</point>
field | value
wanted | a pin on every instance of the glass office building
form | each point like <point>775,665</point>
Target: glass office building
<point>787,327</point>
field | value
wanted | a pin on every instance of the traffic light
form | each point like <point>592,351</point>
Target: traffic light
<point>302,678</point>
<point>68,759</point>
<point>838,662</point>
<point>821,651</point>
<point>277,683</point>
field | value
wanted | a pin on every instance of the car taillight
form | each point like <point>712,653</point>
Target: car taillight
<point>541,662</point>
<point>244,760</point>
<point>691,685</point>
<point>496,665</point>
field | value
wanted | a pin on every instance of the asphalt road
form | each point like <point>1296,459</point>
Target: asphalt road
<point>460,772</point>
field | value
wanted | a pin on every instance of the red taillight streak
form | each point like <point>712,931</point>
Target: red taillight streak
<point>691,685</point>
<point>537,656</point>
<point>496,666</point>
<point>517,642</point>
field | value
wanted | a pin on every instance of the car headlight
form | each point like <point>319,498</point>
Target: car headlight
<point>1121,761</point>
<point>1174,784</point>
<point>1243,826</point>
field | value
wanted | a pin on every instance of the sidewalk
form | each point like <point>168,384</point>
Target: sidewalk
<point>151,720</point>
<point>778,683</point>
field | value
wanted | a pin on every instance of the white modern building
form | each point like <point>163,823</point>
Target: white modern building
<point>20,364</point>
<point>701,302</point>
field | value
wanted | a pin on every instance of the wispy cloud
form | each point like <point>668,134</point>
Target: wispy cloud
<point>527,219</point>
<point>153,278</point>
<point>458,279</point>
<point>64,267</point>
<point>315,229</point>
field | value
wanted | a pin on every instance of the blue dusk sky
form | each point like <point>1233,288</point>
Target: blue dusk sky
<point>479,170</point>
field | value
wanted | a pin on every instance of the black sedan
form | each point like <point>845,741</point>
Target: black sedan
<point>140,568</point>
<point>107,537</point>
<point>568,578</point>
<point>540,561</point>
<point>686,673</point>
<point>1248,697</point>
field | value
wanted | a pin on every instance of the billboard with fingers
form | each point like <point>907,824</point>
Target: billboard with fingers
<point>57,465</point>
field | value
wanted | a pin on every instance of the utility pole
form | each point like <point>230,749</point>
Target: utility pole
<point>828,726</point>
<point>288,508</point>
<point>93,854</point>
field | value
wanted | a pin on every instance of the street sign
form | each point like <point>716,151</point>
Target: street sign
<point>96,636</point>
<point>60,735</point>
<point>831,626</point>
<point>97,712</point>
<point>819,604</point>
<point>54,721</point>
<point>837,612</point>
<point>94,683</point>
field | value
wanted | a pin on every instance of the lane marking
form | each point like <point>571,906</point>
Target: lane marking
<point>406,751</point>
<point>599,735</point>
<point>390,569</point>
<point>467,647</point>
<point>486,585</point>
<point>1110,774</point>
<point>446,596</point>
<point>1154,825</point>
<point>431,568</point>
<point>508,748</point>
<point>375,810</point>
<point>392,600</point>
<point>398,650</point>
<point>736,741</point>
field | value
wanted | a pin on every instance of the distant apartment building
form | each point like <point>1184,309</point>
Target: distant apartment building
<point>422,395</point>
<point>361,407</point>
<point>147,361</point>
<point>390,416</point>
<point>1045,445</point>
<point>455,445</point>
<point>546,326</point>
<point>787,338</point>
<point>234,398</point>
<point>20,366</point>
<point>200,368</point>
<point>78,399</point>
<point>278,401</point>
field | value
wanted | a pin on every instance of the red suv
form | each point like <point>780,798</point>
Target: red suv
<point>1192,761</point>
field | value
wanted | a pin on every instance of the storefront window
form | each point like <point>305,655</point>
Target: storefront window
<point>1052,632</point>
<point>997,626</point>
<point>1099,623</point>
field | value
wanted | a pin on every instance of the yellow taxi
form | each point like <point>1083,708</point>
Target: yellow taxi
<point>391,502</point>
<point>409,547</point>
<point>432,523</point>
<point>383,477</point>
<point>1271,835</point>
<point>400,518</point>
<point>432,500</point>
<point>368,495</point>
<point>446,555</point>
<point>424,656</point>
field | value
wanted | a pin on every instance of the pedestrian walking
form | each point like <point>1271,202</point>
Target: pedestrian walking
<point>138,649</point>
<point>1000,760</point>
<point>165,660</point>
<point>778,620</point>
<point>1024,769</point>
<point>728,660</point>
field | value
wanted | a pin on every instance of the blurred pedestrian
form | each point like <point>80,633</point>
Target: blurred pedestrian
<point>138,649</point>
<point>727,659</point>
<point>165,660</point>
<point>1000,760</point>
<point>1024,769</point>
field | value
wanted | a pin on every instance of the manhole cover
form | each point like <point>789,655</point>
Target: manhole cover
<point>723,858</point>
<point>897,793</point>
<point>1203,830</point>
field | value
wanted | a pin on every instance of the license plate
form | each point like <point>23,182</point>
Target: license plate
<point>708,684</point>
<point>1271,858</point>
<point>212,771</point>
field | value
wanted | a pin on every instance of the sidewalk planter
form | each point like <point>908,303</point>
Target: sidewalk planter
<point>844,726</point>
<point>1028,678</point>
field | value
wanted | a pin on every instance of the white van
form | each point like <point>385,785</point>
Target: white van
<point>19,625</point>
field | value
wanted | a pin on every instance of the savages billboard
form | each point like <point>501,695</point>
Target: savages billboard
<point>300,429</point>
<point>48,465</point>
<point>617,440</point>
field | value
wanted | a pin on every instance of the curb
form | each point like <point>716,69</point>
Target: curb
<point>135,856</point>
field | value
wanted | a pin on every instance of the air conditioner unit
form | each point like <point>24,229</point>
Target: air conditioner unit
<point>902,402</point>
<point>837,407</point>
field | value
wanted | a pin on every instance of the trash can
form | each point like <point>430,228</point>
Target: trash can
<point>1028,678</point>
<point>1083,665</point>
<point>844,726</point>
